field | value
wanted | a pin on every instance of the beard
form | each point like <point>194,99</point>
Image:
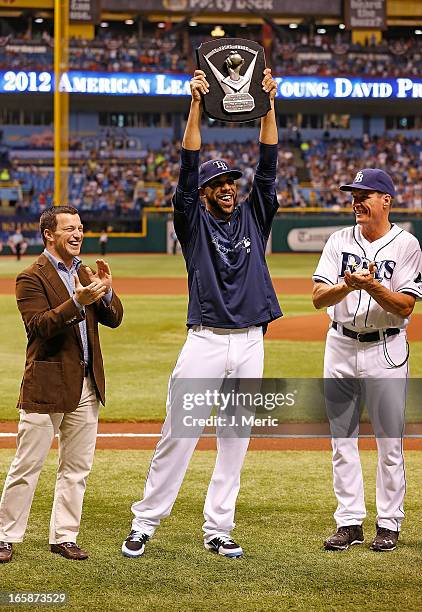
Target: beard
<point>217,207</point>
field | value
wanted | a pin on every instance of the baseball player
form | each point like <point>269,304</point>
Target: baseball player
<point>231,300</point>
<point>368,278</point>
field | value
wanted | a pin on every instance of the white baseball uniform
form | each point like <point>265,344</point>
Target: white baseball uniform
<point>380,365</point>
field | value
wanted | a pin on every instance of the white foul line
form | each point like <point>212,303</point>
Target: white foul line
<point>100,435</point>
<point>158,435</point>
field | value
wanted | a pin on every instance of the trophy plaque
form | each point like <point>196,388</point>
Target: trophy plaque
<point>234,69</point>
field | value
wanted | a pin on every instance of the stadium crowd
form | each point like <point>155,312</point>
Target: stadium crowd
<point>120,53</point>
<point>123,188</point>
<point>129,54</point>
<point>326,56</point>
<point>331,163</point>
<point>172,52</point>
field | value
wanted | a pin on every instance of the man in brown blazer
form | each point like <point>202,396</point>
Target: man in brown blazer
<point>61,303</point>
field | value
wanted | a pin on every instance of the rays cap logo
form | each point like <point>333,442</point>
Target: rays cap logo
<point>215,167</point>
<point>373,179</point>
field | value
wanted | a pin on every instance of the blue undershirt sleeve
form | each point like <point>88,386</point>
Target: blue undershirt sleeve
<point>267,164</point>
<point>263,196</point>
<point>186,197</point>
<point>188,176</point>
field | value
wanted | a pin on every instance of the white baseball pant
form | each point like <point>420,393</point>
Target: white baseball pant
<point>385,391</point>
<point>208,353</point>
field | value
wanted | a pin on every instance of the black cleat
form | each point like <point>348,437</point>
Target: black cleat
<point>344,537</point>
<point>224,545</point>
<point>134,545</point>
<point>385,540</point>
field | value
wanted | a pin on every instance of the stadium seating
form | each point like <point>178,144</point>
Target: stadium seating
<point>307,176</point>
<point>166,51</point>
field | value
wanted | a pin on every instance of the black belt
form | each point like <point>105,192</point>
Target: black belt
<point>370,337</point>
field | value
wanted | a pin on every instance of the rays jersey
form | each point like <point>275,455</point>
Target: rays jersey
<point>228,279</point>
<point>397,256</point>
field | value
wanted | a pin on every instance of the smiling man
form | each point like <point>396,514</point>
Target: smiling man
<point>218,189</point>
<point>61,303</point>
<point>231,301</point>
<point>368,278</point>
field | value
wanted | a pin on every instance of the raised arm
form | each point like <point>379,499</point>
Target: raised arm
<point>186,197</point>
<point>192,135</point>
<point>269,132</point>
<point>263,196</point>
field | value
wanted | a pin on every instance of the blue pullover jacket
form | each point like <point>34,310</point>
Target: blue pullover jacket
<point>228,279</point>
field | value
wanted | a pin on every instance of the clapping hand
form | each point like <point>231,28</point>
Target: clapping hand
<point>362,279</point>
<point>102,274</point>
<point>89,294</point>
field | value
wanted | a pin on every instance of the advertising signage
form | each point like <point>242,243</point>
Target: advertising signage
<point>84,11</point>
<point>272,7</point>
<point>366,14</point>
<point>161,84</point>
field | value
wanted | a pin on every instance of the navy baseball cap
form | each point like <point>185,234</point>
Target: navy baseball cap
<point>374,179</point>
<point>215,167</point>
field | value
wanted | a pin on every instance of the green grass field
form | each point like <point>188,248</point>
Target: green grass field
<point>284,513</point>
<point>157,265</point>
<point>285,503</point>
<point>141,353</point>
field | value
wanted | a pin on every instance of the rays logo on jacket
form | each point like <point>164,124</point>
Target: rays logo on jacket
<point>225,252</point>
<point>353,263</point>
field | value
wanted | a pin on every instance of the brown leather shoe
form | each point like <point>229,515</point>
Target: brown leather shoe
<point>6,552</point>
<point>69,550</point>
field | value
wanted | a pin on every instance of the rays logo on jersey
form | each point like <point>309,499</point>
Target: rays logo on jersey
<point>226,252</point>
<point>354,263</point>
<point>245,243</point>
<point>358,177</point>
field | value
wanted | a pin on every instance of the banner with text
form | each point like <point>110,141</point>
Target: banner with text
<point>84,11</point>
<point>274,7</point>
<point>163,84</point>
<point>365,14</point>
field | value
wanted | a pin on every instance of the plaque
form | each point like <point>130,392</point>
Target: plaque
<point>234,69</point>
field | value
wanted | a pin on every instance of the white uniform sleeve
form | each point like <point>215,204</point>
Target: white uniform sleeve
<point>327,268</point>
<point>408,277</point>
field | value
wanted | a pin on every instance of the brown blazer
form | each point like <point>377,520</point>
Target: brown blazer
<point>54,368</point>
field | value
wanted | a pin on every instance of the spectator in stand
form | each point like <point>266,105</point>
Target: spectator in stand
<point>4,175</point>
<point>103,239</point>
<point>17,243</point>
